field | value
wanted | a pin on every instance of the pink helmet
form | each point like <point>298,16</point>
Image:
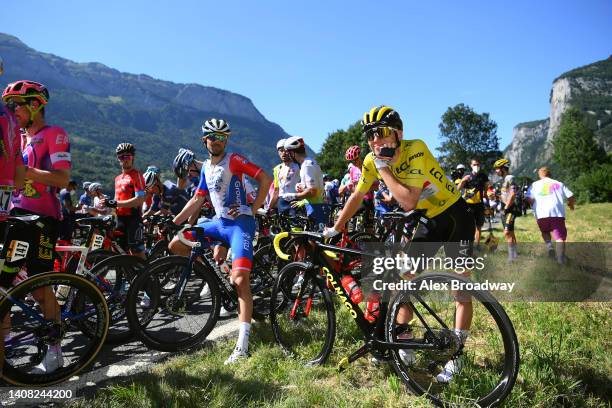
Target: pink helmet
<point>27,89</point>
<point>352,153</point>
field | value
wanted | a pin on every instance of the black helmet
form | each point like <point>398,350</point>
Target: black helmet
<point>125,148</point>
<point>381,116</point>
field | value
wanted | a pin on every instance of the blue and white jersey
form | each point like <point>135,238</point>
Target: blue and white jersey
<point>224,182</point>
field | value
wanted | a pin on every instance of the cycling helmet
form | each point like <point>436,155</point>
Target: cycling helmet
<point>216,126</point>
<point>294,143</point>
<point>352,153</point>
<point>125,148</point>
<point>95,187</point>
<point>181,163</point>
<point>501,163</point>
<point>150,177</point>
<point>460,167</point>
<point>381,116</point>
<point>86,185</point>
<point>153,169</point>
<point>280,144</point>
<point>27,89</point>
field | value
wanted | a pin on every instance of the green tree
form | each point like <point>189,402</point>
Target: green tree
<point>331,158</point>
<point>575,150</point>
<point>465,135</point>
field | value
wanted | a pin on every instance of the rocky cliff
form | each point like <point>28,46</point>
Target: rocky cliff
<point>587,88</point>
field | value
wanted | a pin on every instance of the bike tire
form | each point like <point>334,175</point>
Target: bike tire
<point>487,375</point>
<point>78,349</point>
<point>304,327</point>
<point>161,324</point>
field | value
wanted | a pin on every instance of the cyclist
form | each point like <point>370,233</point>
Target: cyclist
<point>129,196</point>
<point>473,187</point>
<point>46,154</point>
<point>417,181</point>
<point>68,210</point>
<point>353,155</point>
<point>311,187</point>
<point>95,189</point>
<point>165,197</point>
<point>221,178</point>
<point>509,189</point>
<point>286,176</point>
<point>187,170</point>
<point>85,199</point>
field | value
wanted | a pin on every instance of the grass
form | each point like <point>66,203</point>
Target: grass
<point>565,358</point>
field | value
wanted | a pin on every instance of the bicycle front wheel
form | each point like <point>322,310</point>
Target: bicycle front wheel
<point>43,350</point>
<point>162,318</point>
<point>302,314</point>
<point>482,362</point>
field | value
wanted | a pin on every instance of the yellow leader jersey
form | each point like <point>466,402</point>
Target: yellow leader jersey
<point>416,167</point>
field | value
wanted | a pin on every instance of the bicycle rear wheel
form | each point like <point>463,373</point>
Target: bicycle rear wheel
<point>163,320</point>
<point>113,276</point>
<point>302,314</point>
<point>29,337</point>
<point>485,362</point>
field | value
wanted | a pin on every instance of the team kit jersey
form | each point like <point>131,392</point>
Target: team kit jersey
<point>224,183</point>
<point>171,198</point>
<point>548,195</point>
<point>286,177</point>
<point>129,185</point>
<point>474,188</point>
<point>49,149</point>
<point>10,157</point>
<point>415,167</point>
<point>312,176</point>
<point>508,186</point>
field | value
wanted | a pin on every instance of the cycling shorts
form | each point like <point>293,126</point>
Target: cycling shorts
<point>508,221</point>
<point>453,229</point>
<point>41,242</point>
<point>237,233</point>
<point>477,211</point>
<point>132,228</point>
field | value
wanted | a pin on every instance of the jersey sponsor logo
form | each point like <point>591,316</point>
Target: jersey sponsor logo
<point>414,156</point>
<point>437,174</point>
<point>61,138</point>
<point>60,156</point>
<point>405,168</point>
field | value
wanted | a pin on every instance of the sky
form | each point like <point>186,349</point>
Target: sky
<point>314,67</point>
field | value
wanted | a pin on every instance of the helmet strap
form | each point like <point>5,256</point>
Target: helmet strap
<point>33,113</point>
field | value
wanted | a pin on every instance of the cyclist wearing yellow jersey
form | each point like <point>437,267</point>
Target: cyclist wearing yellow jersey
<point>416,181</point>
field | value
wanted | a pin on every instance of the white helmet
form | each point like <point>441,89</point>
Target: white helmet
<point>86,185</point>
<point>149,177</point>
<point>460,166</point>
<point>280,143</point>
<point>216,126</point>
<point>294,143</point>
<point>95,187</point>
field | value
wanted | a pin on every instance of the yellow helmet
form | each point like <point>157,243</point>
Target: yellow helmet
<point>501,163</point>
<point>381,116</point>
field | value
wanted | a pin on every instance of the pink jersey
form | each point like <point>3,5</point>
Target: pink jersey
<point>10,157</point>
<point>355,174</point>
<point>49,149</point>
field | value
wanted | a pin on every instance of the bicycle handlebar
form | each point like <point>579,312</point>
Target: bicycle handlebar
<point>185,241</point>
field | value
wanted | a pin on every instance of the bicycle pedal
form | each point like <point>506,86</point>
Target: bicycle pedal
<point>343,364</point>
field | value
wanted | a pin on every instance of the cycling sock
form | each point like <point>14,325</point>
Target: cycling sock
<point>463,334</point>
<point>243,337</point>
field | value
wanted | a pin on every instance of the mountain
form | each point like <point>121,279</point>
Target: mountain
<point>587,88</point>
<point>101,107</point>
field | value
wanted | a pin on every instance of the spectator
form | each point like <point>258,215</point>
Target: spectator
<point>547,197</point>
<point>68,210</point>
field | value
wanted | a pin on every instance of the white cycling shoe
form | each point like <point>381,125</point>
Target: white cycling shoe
<point>451,368</point>
<point>53,360</point>
<point>236,357</point>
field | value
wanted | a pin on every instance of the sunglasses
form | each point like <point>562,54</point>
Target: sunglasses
<point>213,137</point>
<point>12,104</point>
<point>124,157</point>
<point>379,132</point>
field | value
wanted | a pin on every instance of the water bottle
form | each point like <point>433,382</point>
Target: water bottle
<point>372,307</point>
<point>352,288</point>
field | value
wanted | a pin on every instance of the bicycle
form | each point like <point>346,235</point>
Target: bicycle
<point>28,335</point>
<point>304,325</point>
<point>180,313</point>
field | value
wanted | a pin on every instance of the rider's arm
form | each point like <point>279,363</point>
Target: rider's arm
<point>274,198</point>
<point>264,182</point>
<point>406,196</point>
<point>193,205</point>
<point>19,175</point>
<point>55,178</point>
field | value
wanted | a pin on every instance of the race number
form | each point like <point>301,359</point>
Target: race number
<point>5,198</point>
<point>17,250</point>
<point>97,241</point>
